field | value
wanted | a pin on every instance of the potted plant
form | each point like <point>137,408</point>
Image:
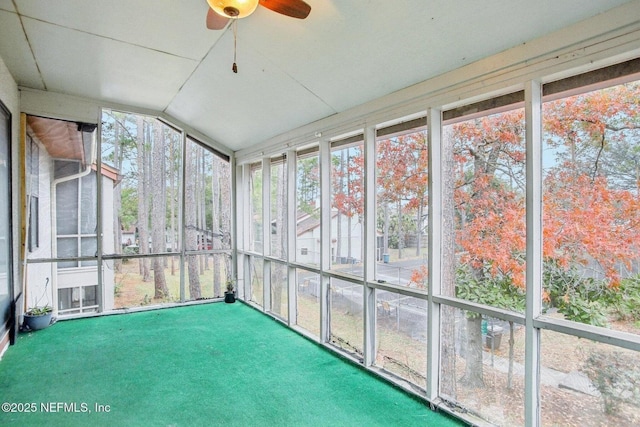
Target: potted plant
<point>230,293</point>
<point>38,316</point>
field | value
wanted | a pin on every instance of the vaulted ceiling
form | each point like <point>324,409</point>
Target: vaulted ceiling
<point>158,54</point>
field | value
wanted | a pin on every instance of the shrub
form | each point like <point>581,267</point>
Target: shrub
<point>624,301</point>
<point>616,376</point>
<point>580,299</point>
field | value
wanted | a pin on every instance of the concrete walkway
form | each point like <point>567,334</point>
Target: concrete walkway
<point>574,380</point>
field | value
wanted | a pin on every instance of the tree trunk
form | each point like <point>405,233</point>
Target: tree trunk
<point>400,230</point>
<point>349,246</point>
<point>485,164</point>
<point>203,209</point>
<point>143,234</point>
<point>473,376</point>
<point>350,202</point>
<point>206,161</point>
<point>276,291</point>
<point>511,345</point>
<point>191,233</point>
<point>216,243</point>
<point>448,285</point>
<point>199,203</point>
<point>194,277</point>
<point>117,199</point>
<point>225,215</point>
<point>338,253</point>
<point>158,211</point>
<point>172,206</point>
<point>473,373</point>
<point>419,230</point>
<point>385,231</point>
<point>280,252</point>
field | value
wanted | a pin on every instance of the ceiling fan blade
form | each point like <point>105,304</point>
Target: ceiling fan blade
<point>293,8</point>
<point>215,21</point>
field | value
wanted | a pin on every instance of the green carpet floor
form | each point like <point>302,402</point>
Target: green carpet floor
<point>204,365</point>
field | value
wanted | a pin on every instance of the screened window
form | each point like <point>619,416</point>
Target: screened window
<point>308,207</point>
<point>34,224</point>
<point>158,212</point>
<point>255,208</point>
<point>308,301</point>
<point>485,249</point>
<point>278,204</point>
<point>402,182</point>
<point>347,205</point>
<point>76,220</point>
<point>488,191</point>
<point>152,219</point>
<point>33,192</point>
<point>256,280</point>
<point>481,372</point>
<point>401,331</point>
<point>279,290</point>
<point>591,196</point>
<point>484,172</point>
<point>346,314</point>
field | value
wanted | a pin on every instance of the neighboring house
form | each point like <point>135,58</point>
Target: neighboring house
<point>308,238</point>
<point>62,218</point>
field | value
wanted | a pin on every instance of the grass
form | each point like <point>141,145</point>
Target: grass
<point>132,291</point>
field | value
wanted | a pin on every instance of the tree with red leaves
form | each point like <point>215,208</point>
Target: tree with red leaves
<point>591,203</point>
<point>402,181</point>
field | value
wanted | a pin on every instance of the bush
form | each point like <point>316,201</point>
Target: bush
<point>616,376</point>
<point>497,291</point>
<point>624,301</point>
<point>580,299</point>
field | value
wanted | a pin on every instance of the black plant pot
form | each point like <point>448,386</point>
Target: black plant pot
<point>229,297</point>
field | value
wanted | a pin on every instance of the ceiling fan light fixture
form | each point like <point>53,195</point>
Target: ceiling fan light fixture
<point>233,8</point>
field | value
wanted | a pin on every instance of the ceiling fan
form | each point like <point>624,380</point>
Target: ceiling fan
<point>220,11</point>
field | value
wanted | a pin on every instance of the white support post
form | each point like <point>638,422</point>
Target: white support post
<point>325,240</point>
<point>99,221</point>
<point>369,293</point>
<point>533,114</point>
<point>434,129</point>
<point>183,232</point>
<point>245,265</point>
<point>244,237</point>
<point>266,285</point>
<point>266,232</point>
<point>237,270</point>
<point>291,236</point>
<point>266,206</point>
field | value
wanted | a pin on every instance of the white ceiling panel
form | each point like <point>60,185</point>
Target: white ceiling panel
<point>174,27</point>
<point>7,5</point>
<point>356,49</point>
<point>220,103</point>
<point>15,52</point>
<point>78,63</point>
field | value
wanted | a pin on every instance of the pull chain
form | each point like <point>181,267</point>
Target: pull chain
<point>234,67</point>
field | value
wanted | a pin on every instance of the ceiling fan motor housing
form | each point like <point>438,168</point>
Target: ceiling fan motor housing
<point>233,8</point>
<point>231,11</point>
